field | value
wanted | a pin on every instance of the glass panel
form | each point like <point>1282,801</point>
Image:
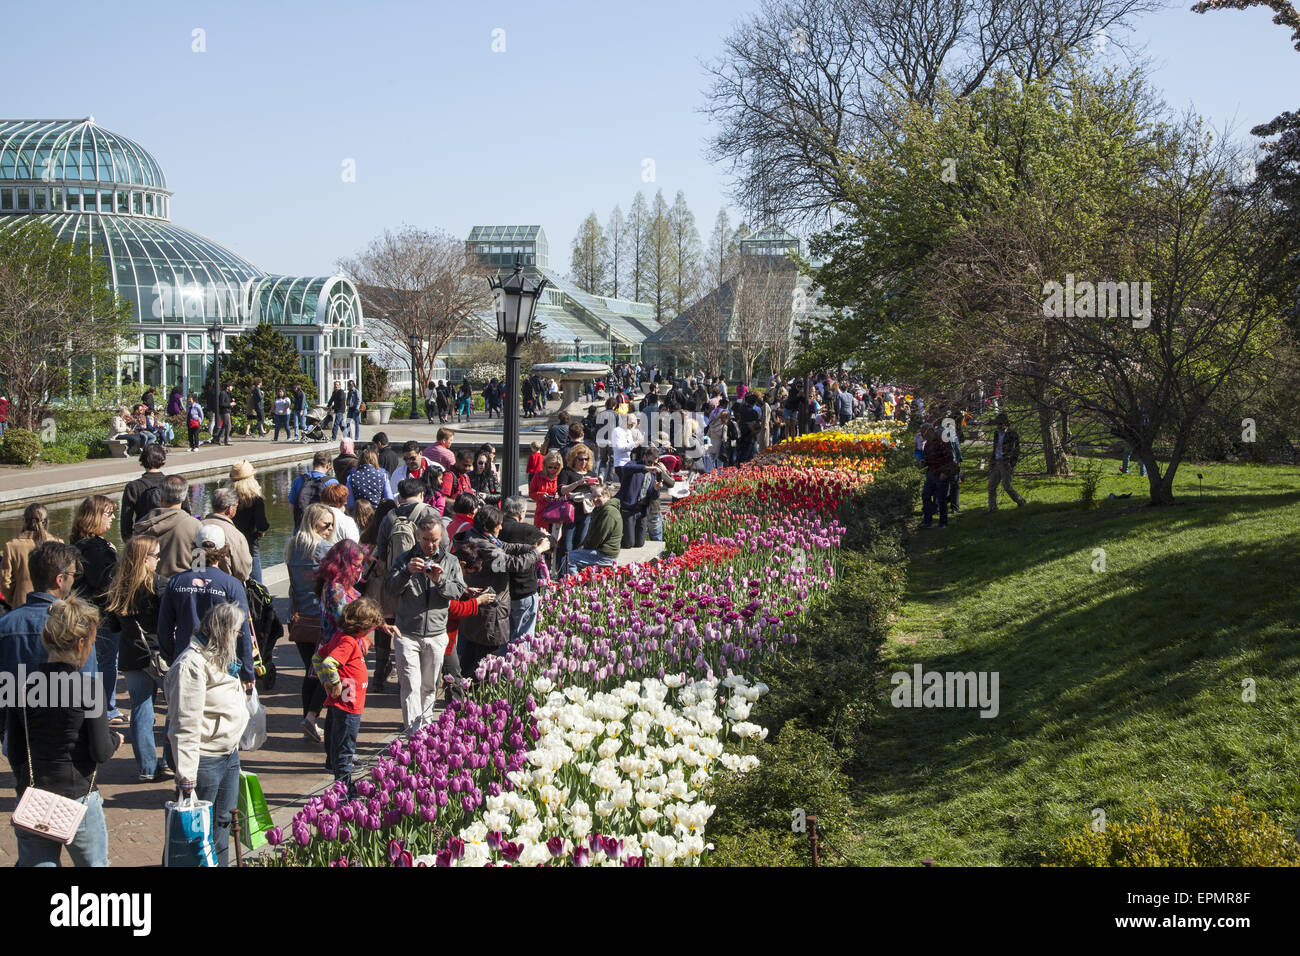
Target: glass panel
<point>173,368</point>
<point>152,340</point>
<point>174,342</point>
<point>24,198</point>
<point>195,342</point>
<point>106,200</point>
<point>40,199</point>
<point>74,199</point>
<point>124,202</point>
<point>56,197</point>
<point>153,370</point>
<point>6,198</point>
<point>136,206</point>
<point>88,200</point>
<point>194,371</point>
<point>148,204</point>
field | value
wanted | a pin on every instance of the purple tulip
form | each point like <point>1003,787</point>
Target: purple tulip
<point>275,836</point>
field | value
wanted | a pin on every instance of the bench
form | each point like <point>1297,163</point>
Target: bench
<point>116,448</point>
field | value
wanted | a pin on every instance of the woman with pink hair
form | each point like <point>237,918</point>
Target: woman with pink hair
<point>336,586</point>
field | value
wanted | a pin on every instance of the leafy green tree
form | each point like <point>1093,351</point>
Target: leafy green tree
<point>263,353</point>
<point>59,317</point>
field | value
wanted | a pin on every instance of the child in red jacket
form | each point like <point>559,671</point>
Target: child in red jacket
<point>342,670</point>
<point>535,459</point>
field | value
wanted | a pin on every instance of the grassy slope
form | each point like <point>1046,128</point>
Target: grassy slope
<point>1115,687</point>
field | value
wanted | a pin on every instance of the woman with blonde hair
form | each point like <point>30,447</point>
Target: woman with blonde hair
<point>59,745</point>
<point>98,559</point>
<point>15,580</point>
<point>132,607</point>
<point>302,557</point>
<point>209,712</point>
<point>250,516</point>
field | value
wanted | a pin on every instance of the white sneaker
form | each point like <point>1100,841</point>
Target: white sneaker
<point>310,730</point>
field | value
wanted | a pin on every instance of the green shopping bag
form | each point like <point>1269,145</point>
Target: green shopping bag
<point>254,817</point>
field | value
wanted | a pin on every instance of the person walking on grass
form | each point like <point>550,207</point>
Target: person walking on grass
<point>938,472</point>
<point>1006,452</point>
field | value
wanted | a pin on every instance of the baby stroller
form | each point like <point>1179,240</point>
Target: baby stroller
<point>320,419</point>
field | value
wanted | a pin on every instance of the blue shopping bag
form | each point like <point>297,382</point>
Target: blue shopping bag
<point>189,834</point>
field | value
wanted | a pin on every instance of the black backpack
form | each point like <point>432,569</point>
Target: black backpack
<point>308,495</point>
<point>149,499</point>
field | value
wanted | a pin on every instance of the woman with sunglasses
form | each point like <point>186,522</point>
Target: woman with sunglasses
<point>577,475</point>
<point>132,604</point>
<point>302,557</point>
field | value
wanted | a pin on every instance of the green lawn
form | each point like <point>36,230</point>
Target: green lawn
<point>1115,687</point>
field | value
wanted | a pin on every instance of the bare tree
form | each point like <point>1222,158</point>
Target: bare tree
<point>763,306</point>
<point>802,82</point>
<point>589,265</point>
<point>685,254</point>
<point>638,239</point>
<point>661,267</point>
<point>421,283</point>
<point>616,235</point>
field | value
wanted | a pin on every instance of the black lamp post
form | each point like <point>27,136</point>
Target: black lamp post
<point>215,335</point>
<point>577,350</point>
<point>412,341</point>
<point>515,301</point>
<point>611,349</point>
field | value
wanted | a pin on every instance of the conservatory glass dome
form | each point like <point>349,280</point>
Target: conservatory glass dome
<point>50,150</point>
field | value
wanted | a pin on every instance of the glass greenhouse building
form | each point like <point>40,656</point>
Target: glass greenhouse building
<point>94,186</point>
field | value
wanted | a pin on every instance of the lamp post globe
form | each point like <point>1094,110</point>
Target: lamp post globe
<point>577,350</point>
<point>514,300</point>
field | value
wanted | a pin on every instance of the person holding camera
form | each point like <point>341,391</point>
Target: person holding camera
<point>423,581</point>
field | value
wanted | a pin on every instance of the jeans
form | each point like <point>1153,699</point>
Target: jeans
<point>523,617</point>
<point>282,421</point>
<point>298,421</point>
<point>222,433</point>
<point>654,526</point>
<point>256,573</point>
<point>88,848</point>
<point>419,668</point>
<point>340,422</point>
<point>218,781</point>
<point>142,687</point>
<point>355,418</point>
<point>633,528</point>
<point>934,491</point>
<point>106,647</point>
<point>582,558</point>
<point>1128,456</point>
<point>313,691</point>
<point>571,534</point>
<point>341,729</point>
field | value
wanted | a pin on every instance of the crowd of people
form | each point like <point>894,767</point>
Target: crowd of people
<point>415,553</point>
<point>447,402</point>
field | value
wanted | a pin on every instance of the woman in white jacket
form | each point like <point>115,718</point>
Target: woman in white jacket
<point>209,712</point>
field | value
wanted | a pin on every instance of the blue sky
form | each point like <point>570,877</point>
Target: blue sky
<point>254,132</point>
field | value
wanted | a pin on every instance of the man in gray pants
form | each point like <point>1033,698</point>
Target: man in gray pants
<point>423,581</point>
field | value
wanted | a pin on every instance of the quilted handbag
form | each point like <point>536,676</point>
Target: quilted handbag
<point>44,813</point>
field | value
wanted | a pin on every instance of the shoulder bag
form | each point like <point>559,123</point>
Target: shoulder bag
<point>43,812</point>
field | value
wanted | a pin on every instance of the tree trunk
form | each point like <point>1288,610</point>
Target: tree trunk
<point>1161,486</point>
<point>1054,457</point>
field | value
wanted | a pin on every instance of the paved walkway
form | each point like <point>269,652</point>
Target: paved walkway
<point>53,482</point>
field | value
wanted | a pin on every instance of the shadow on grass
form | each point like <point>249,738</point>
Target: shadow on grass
<point>1100,674</point>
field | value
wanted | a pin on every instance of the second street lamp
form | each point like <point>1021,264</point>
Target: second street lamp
<point>215,335</point>
<point>577,350</point>
<point>515,302</point>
